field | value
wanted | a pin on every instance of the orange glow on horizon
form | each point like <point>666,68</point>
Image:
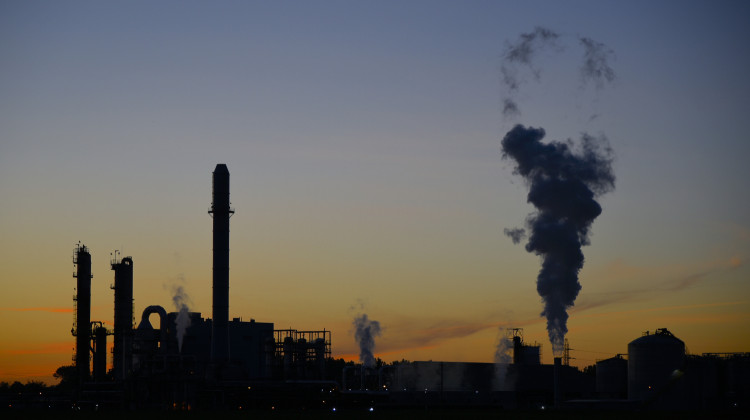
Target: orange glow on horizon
<point>349,357</point>
<point>49,348</point>
<point>65,310</point>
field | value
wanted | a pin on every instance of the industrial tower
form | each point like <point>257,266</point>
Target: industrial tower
<point>220,211</point>
<point>82,324</point>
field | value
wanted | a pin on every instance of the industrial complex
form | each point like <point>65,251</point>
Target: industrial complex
<point>189,361</point>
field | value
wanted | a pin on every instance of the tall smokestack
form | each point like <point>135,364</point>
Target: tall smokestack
<point>82,327</point>
<point>557,382</point>
<point>220,211</point>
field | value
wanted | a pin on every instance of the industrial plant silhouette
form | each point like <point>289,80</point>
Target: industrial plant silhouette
<point>190,362</point>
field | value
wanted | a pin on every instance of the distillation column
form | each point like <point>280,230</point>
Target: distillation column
<point>122,357</point>
<point>82,328</point>
<point>220,211</point>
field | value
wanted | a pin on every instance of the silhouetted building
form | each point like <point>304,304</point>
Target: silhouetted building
<point>122,352</point>
<point>612,378</point>
<point>220,211</point>
<point>187,361</point>
<point>82,327</point>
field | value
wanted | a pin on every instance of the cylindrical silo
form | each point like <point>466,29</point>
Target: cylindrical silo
<point>653,361</point>
<point>100,352</point>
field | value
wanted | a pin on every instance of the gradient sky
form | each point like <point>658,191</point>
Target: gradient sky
<point>363,142</point>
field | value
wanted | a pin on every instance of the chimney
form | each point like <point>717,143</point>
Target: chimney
<point>556,381</point>
<point>220,211</point>
<point>517,350</point>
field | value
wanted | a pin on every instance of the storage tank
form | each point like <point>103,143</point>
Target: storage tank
<point>612,378</point>
<point>654,362</point>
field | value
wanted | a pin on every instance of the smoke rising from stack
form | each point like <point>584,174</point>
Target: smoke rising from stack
<point>182,321</point>
<point>563,186</point>
<point>502,359</point>
<point>504,345</point>
<point>562,183</point>
<point>365,331</point>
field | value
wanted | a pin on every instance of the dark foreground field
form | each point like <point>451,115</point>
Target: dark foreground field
<point>384,414</point>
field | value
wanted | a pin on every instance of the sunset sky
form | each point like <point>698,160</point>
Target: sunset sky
<point>363,143</point>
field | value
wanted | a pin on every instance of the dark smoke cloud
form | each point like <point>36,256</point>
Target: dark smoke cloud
<point>515,234</point>
<point>562,187</point>
<point>365,331</point>
<point>595,66</point>
<point>522,52</point>
<point>528,44</point>
<point>510,107</point>
<point>519,58</point>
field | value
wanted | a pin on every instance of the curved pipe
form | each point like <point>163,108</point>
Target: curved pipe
<point>156,309</point>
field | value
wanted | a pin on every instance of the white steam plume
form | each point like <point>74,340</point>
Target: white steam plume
<point>182,322</point>
<point>365,331</point>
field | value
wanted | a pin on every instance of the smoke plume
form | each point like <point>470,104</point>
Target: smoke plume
<point>182,322</point>
<point>502,351</point>
<point>525,48</point>
<point>502,360</point>
<point>515,234</point>
<point>562,187</point>
<point>595,66</point>
<point>520,58</point>
<point>522,53</point>
<point>365,331</point>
